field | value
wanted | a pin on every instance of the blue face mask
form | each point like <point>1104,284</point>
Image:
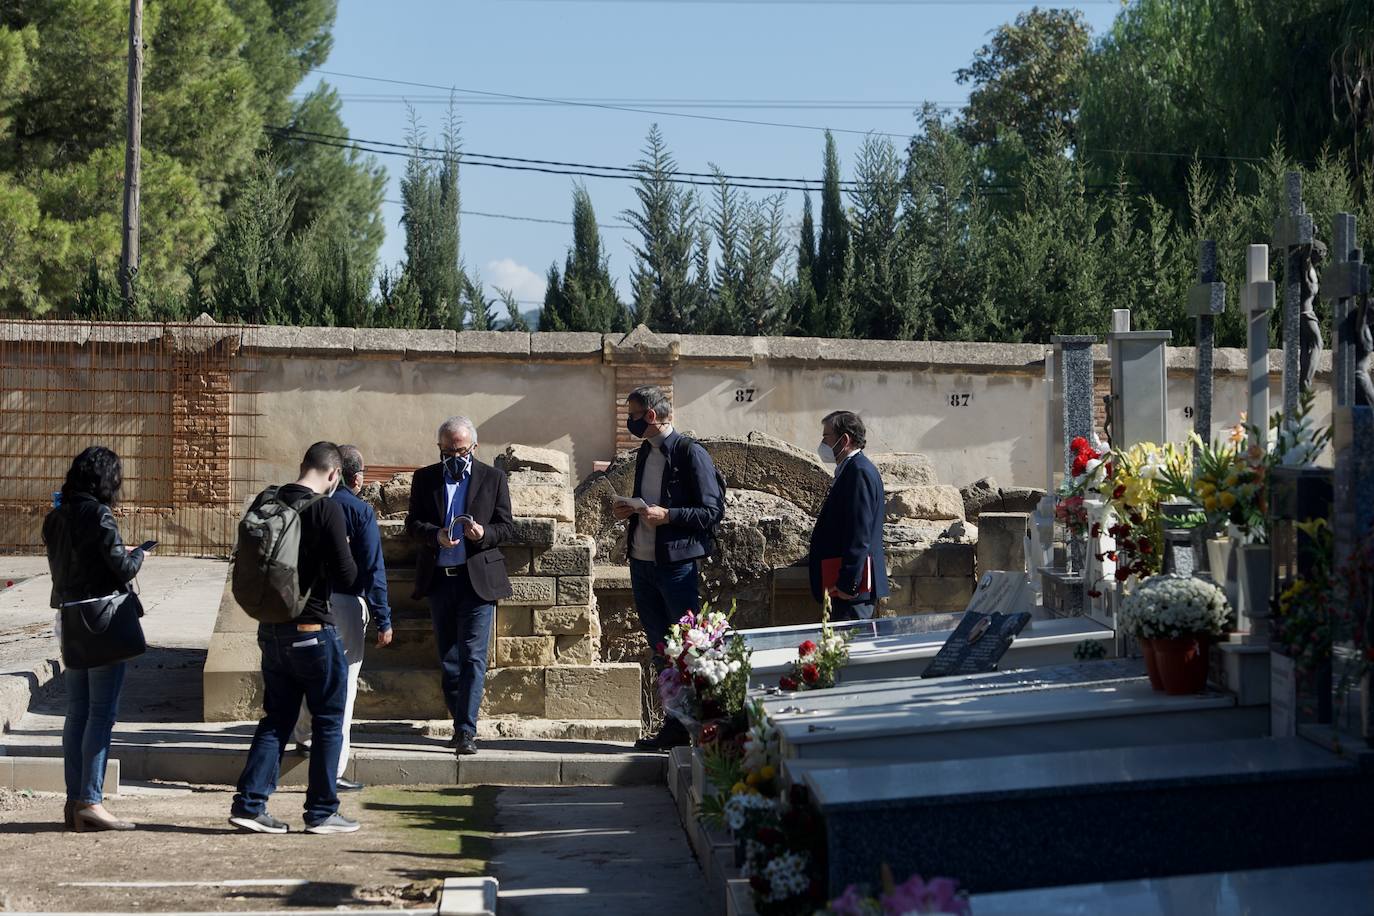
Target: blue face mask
<point>455,466</point>
<point>637,426</point>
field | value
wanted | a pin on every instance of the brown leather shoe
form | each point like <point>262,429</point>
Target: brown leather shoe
<point>87,820</point>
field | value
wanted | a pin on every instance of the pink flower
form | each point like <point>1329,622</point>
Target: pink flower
<point>941,895</point>
<point>850,903</point>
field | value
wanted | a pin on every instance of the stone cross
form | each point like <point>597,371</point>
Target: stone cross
<point>1292,232</point>
<point>1256,301</point>
<point>1343,282</point>
<point>1206,300</point>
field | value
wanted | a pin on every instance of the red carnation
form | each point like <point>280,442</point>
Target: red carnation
<point>1078,443</point>
<point>811,674</point>
<point>1147,547</point>
<point>1092,594</point>
<point>1119,492</point>
<point>807,648</point>
<point>787,683</point>
<point>1122,574</point>
<point>1080,464</point>
<point>709,733</point>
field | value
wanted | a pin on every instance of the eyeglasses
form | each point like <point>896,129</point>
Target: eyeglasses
<point>455,452</point>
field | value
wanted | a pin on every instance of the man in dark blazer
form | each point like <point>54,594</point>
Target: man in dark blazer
<point>847,559</point>
<point>459,513</point>
<point>670,534</point>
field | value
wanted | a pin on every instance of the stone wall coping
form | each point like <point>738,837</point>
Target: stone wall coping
<point>639,345</point>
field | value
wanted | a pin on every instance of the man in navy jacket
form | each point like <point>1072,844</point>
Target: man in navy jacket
<point>353,606</point>
<point>847,559</point>
<point>669,536</point>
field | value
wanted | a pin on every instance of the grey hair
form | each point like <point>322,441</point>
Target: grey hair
<point>653,398</point>
<point>453,424</point>
<point>352,462</point>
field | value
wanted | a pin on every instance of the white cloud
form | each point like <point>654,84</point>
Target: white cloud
<point>506,273</point>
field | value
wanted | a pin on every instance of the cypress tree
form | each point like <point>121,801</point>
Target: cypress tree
<point>805,306</point>
<point>666,220</point>
<point>587,295</point>
<point>833,254</point>
<point>552,315</point>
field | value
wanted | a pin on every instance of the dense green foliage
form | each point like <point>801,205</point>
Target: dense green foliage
<point>1079,178</point>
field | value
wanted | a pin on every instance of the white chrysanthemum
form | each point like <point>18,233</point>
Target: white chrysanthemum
<point>1173,606</point>
<point>786,876</point>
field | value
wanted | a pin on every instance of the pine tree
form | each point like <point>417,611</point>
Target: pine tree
<point>588,297</point>
<point>833,254</point>
<point>883,300</point>
<point>552,315</point>
<point>805,306</point>
<point>666,220</point>
<point>481,309</point>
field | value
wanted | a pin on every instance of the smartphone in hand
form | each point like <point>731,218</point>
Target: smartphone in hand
<point>147,546</point>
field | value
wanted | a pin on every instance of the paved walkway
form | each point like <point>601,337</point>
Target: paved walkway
<point>593,852</point>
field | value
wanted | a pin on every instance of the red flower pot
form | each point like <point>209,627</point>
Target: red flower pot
<point>1147,649</point>
<point>1182,664</point>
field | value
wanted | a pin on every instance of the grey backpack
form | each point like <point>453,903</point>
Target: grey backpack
<point>265,576</point>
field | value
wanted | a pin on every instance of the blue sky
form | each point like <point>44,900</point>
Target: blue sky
<point>646,54</point>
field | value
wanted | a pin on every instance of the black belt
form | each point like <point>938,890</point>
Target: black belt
<point>451,570</point>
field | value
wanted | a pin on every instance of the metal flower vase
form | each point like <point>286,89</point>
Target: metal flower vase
<point>1255,579</point>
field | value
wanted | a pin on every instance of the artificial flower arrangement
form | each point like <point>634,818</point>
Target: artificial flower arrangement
<point>1299,441</point>
<point>746,764</point>
<point>1305,609</point>
<point>784,856</point>
<point>913,897</point>
<point>818,664</point>
<point>1088,471</point>
<point>708,670</point>
<point>1231,483</point>
<point>1174,606</point>
<point>1143,476</point>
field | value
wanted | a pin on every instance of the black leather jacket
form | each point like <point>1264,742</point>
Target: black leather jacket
<point>85,552</point>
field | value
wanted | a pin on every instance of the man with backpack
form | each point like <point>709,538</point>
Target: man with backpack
<point>292,551</point>
<point>684,501</point>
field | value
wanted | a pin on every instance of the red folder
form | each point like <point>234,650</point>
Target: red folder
<point>830,575</point>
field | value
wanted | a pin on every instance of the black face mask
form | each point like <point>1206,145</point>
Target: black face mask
<point>637,426</point>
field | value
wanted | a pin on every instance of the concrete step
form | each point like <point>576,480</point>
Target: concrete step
<point>1112,814</point>
<point>214,753</point>
<point>46,774</point>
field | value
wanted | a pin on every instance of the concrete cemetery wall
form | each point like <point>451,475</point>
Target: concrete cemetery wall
<point>975,410</point>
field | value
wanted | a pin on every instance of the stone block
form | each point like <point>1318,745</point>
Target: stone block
<point>45,774</point>
<point>514,692</point>
<point>529,478</point>
<point>577,650</point>
<point>1001,542</point>
<point>926,503</point>
<point>532,531</point>
<point>527,457</point>
<point>568,560</point>
<point>509,771</point>
<point>941,593</point>
<point>535,590</point>
<point>955,560</point>
<point>565,621</point>
<point>914,561</point>
<point>598,692</point>
<point>574,590</point>
<point>900,470</point>
<point>524,651</point>
<point>516,620</point>
<point>518,560</point>
<point>542,502</point>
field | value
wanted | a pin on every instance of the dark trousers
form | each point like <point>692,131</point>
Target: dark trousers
<point>663,592</point>
<point>297,665</point>
<point>852,610</point>
<point>462,631</point>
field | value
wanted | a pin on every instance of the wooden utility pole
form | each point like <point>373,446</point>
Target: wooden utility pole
<point>128,256</point>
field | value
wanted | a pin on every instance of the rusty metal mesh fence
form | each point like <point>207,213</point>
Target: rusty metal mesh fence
<point>176,402</point>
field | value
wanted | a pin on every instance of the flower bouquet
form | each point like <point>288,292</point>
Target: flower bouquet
<point>1174,617</point>
<point>1305,609</point>
<point>914,897</point>
<point>708,671</point>
<point>818,664</point>
<point>784,860</point>
<point>1089,470</point>
<point>1231,483</point>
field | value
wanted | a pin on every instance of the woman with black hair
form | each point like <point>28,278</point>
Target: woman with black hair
<point>88,559</point>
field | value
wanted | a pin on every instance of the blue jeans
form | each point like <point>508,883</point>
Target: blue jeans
<point>663,592</point>
<point>462,631</point>
<point>297,664</point>
<point>92,704</point>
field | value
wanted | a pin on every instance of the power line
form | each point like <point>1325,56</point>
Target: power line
<point>635,172</point>
<point>675,103</point>
<point>522,219</point>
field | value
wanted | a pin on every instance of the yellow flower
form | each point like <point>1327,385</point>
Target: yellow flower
<point>752,779</point>
<point>1227,500</point>
<point>767,773</point>
<point>739,788</point>
<point>1206,488</point>
<point>1210,504</point>
<point>1231,480</point>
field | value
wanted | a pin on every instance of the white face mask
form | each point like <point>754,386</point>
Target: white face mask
<point>826,453</point>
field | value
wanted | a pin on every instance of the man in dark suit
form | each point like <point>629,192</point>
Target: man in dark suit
<point>847,558</point>
<point>459,513</point>
<point>671,533</point>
